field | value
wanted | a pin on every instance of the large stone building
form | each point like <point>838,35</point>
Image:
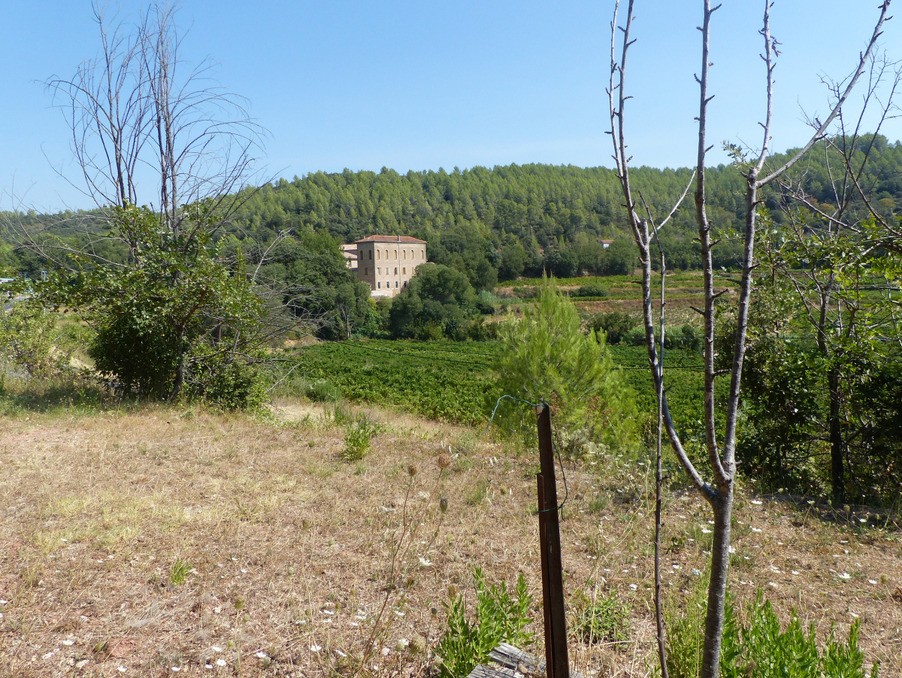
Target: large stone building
<point>385,262</point>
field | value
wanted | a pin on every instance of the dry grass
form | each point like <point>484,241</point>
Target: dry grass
<point>162,539</point>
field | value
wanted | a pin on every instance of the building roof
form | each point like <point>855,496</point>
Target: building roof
<point>392,238</point>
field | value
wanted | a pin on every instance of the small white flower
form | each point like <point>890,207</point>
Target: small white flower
<point>756,529</point>
<point>795,572</point>
<point>634,587</point>
<point>217,609</point>
<point>845,575</point>
<point>732,549</point>
<point>216,648</point>
<point>260,654</point>
<point>315,648</point>
<point>757,502</point>
<point>425,562</point>
<point>697,572</point>
<point>121,669</point>
<point>341,654</point>
<point>176,669</point>
<point>705,530</point>
<point>220,662</point>
<point>385,652</point>
<point>399,613</point>
<point>68,641</point>
<point>325,611</point>
<point>3,602</point>
<point>872,582</point>
<point>49,654</point>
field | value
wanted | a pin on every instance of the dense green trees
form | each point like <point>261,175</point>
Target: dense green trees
<point>307,271</point>
<point>439,302</point>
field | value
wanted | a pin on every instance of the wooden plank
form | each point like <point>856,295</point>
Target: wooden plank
<point>512,662</point>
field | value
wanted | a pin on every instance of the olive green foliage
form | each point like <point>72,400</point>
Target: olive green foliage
<point>309,273</point>
<point>822,367</point>
<point>439,302</point>
<point>761,646</point>
<point>29,341</point>
<point>174,321</point>
<point>615,325</point>
<point>501,616</point>
<point>548,357</point>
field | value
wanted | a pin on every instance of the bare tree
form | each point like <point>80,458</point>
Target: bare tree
<point>718,491</point>
<point>144,133</point>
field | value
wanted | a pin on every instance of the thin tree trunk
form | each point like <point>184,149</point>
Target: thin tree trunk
<point>837,470</point>
<point>717,586</point>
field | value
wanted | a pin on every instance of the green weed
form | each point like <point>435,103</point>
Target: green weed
<point>500,617</point>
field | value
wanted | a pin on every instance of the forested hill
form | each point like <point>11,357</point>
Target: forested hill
<point>507,221</point>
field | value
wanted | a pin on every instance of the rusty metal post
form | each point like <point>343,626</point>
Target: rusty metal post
<point>556,662</point>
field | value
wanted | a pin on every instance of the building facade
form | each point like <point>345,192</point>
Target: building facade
<point>386,262</point>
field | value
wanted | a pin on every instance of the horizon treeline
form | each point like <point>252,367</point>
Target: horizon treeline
<point>495,224</point>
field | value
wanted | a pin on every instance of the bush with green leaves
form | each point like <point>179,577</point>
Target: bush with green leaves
<point>546,356</point>
<point>614,324</point>
<point>762,647</point>
<point>592,290</point>
<point>501,616</point>
<point>174,320</point>
<point>359,432</point>
<point>29,341</point>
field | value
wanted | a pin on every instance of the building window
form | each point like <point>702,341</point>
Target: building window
<point>377,254</point>
<point>370,253</point>
<point>422,254</point>
<point>405,255</point>
<point>396,283</point>
<point>378,285</point>
<point>396,270</point>
<point>396,255</point>
<point>403,271</point>
<point>366,271</point>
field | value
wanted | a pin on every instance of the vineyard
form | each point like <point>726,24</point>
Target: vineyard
<point>452,381</point>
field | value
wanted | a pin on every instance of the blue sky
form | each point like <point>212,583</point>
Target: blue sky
<point>422,85</point>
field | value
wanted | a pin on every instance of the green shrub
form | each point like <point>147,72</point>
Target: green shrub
<point>590,290</point>
<point>359,433</point>
<point>615,325</point>
<point>321,391</point>
<point>760,648</point>
<point>547,357</point>
<point>604,619</point>
<point>500,617</point>
<point>28,341</point>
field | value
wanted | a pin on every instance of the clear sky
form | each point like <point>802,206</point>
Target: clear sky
<point>423,84</point>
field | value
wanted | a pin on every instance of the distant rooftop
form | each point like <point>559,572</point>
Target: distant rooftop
<point>391,238</point>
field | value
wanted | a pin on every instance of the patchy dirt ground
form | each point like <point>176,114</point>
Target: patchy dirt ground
<point>168,542</point>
